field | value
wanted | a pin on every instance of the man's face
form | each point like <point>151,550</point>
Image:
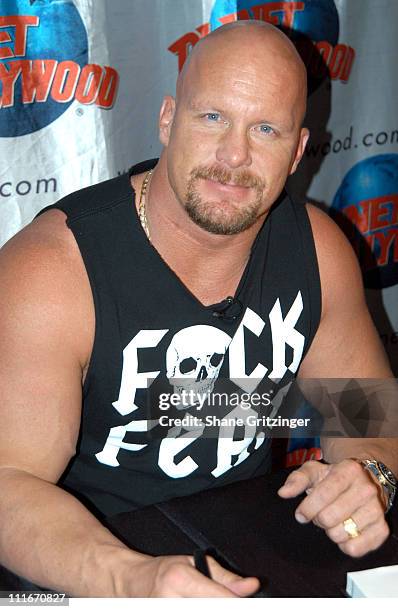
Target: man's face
<point>232,139</point>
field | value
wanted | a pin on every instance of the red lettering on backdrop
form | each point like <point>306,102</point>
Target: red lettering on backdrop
<point>337,60</point>
<point>359,215</point>
<point>264,12</point>
<point>203,29</point>
<point>37,77</point>
<point>5,52</point>
<point>182,46</point>
<point>386,240</point>
<point>290,8</point>
<point>318,57</point>
<point>21,23</point>
<point>370,215</point>
<point>89,84</point>
<point>379,211</point>
<point>40,76</point>
<point>378,214</point>
<point>108,88</point>
<point>8,78</point>
<point>65,81</point>
<point>239,16</point>
<point>325,50</point>
<point>346,69</point>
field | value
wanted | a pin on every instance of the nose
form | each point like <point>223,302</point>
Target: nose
<point>233,149</point>
<point>202,374</point>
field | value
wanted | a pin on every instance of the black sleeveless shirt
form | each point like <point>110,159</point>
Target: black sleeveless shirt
<point>153,338</point>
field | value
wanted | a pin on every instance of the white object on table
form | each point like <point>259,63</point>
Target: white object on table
<point>377,582</point>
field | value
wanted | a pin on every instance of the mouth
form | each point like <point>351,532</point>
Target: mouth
<point>227,189</point>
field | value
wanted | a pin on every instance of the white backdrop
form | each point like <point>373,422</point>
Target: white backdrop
<point>81,83</point>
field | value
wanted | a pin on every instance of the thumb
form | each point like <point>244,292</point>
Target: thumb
<point>303,479</point>
<point>242,587</point>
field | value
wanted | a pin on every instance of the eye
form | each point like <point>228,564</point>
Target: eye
<point>265,129</point>
<point>216,359</point>
<point>212,116</point>
<point>187,365</point>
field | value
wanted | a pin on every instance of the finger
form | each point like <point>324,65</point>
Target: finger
<point>345,505</point>
<point>340,479</point>
<point>369,540</point>
<point>361,500</point>
<point>307,476</point>
<point>238,585</point>
<point>185,581</point>
<point>241,587</point>
<point>364,518</point>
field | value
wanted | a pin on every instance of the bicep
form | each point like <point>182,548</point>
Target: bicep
<point>40,401</point>
<point>40,365</point>
<point>346,344</point>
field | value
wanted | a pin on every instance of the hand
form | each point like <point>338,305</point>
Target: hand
<point>176,576</point>
<point>334,493</point>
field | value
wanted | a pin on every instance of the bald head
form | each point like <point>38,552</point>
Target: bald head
<point>234,132</point>
<point>254,44</point>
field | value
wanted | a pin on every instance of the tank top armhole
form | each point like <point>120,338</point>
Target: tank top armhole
<point>310,259</point>
<point>97,198</point>
<point>91,279</point>
<point>97,324</point>
<point>87,247</point>
<point>55,206</point>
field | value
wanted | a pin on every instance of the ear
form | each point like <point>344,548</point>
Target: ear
<point>166,117</point>
<point>304,135</point>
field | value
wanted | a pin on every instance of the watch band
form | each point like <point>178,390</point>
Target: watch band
<point>383,476</point>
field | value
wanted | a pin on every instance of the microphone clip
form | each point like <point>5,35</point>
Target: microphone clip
<point>229,309</point>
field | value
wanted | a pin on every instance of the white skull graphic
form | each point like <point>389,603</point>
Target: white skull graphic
<point>194,359</point>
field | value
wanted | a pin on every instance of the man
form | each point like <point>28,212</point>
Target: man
<point>231,138</point>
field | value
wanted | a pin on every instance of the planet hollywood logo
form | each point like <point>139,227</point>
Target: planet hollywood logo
<point>312,24</point>
<point>366,207</point>
<point>44,65</point>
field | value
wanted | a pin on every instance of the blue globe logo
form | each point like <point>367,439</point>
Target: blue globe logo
<point>36,36</point>
<point>366,207</point>
<point>317,19</point>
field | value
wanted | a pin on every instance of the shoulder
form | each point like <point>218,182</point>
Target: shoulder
<point>44,282</point>
<point>339,268</point>
<point>330,241</point>
<point>43,251</point>
<point>346,327</point>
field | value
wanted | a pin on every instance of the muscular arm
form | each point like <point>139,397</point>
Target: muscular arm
<point>346,344</point>
<point>46,335</point>
<point>45,332</point>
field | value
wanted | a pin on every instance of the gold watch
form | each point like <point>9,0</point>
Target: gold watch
<point>384,476</point>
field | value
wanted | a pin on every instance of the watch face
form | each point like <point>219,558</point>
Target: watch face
<point>387,473</point>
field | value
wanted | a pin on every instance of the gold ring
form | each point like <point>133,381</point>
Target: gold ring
<point>351,528</point>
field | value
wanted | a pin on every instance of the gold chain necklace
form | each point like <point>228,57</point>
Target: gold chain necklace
<point>141,206</point>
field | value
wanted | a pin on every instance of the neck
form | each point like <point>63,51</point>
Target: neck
<point>209,265</point>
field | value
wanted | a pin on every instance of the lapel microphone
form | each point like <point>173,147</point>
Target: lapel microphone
<point>229,309</point>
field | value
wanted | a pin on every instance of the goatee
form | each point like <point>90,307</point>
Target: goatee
<point>216,219</point>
